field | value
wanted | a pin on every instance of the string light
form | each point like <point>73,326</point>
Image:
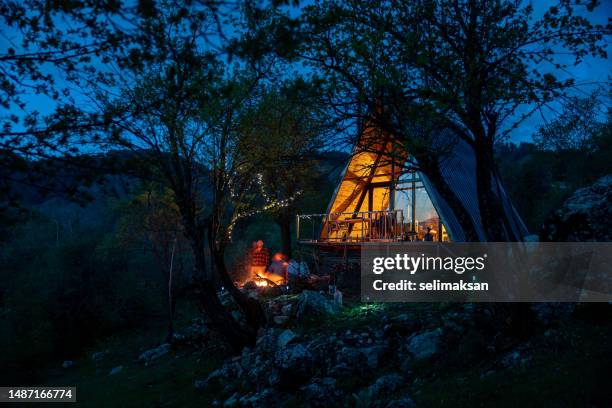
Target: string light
<point>270,203</point>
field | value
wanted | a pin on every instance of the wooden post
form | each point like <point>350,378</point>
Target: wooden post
<point>297,227</point>
<point>413,201</point>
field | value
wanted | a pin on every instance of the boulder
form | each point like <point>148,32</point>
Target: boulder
<point>349,361</point>
<point>267,342</point>
<point>401,325</point>
<point>322,392</point>
<point>286,309</point>
<point>196,333</point>
<point>230,370</point>
<point>385,385</point>
<point>154,353</point>
<point>281,320</point>
<point>285,338</point>
<point>403,402</point>
<point>519,358</point>
<point>314,304</point>
<point>585,216</point>
<point>67,364</point>
<point>98,355</point>
<point>549,314</point>
<point>232,401</point>
<point>293,356</point>
<point>424,345</point>
<point>373,355</point>
<point>294,364</point>
<point>263,399</point>
<point>116,370</point>
<point>199,384</point>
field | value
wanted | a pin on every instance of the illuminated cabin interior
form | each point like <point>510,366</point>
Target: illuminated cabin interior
<point>376,200</point>
<point>380,199</point>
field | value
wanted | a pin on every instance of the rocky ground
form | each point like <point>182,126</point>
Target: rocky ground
<point>379,363</point>
<point>320,354</point>
<point>585,216</point>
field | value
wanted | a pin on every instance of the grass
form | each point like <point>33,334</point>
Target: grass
<point>569,368</point>
<point>165,382</point>
<point>573,375</point>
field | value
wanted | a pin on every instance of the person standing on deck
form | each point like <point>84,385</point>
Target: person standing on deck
<point>429,236</point>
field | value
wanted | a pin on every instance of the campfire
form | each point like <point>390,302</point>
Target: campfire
<point>257,281</point>
<point>260,282</point>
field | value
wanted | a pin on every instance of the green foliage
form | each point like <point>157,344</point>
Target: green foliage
<point>539,179</point>
<point>62,291</point>
<point>577,128</point>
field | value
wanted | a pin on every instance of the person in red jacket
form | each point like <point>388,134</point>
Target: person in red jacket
<point>259,259</point>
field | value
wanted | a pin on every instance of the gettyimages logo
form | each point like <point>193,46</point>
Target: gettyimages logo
<point>424,263</point>
<point>486,272</point>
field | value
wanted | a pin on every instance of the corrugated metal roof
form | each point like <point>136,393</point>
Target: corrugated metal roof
<point>459,171</point>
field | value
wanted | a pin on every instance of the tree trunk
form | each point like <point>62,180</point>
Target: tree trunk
<point>235,334</point>
<point>251,308</point>
<point>494,219</point>
<point>171,301</point>
<point>283,220</point>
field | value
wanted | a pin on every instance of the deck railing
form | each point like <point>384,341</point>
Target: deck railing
<point>351,227</point>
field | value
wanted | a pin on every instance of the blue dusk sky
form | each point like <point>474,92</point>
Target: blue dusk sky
<point>590,74</point>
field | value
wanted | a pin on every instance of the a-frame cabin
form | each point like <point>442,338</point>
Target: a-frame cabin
<point>379,200</point>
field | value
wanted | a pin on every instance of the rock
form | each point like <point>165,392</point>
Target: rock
<point>585,216</point>
<point>281,320</point>
<point>385,385</point>
<point>229,370</point>
<point>293,356</point>
<point>285,338</point>
<point>312,304</point>
<point>349,361</point>
<point>265,398</point>
<point>232,401</point>
<point>225,298</point>
<point>549,313</point>
<point>520,357</point>
<point>154,353</point>
<point>321,392</point>
<point>116,370</point>
<point>286,309</point>
<point>267,342</point>
<point>98,355</point>
<point>403,402</point>
<point>196,333</point>
<point>425,345</point>
<point>199,384</point>
<point>247,358</point>
<point>295,365</point>
<point>401,325</point>
<point>373,355</point>
<point>67,364</point>
<point>259,370</point>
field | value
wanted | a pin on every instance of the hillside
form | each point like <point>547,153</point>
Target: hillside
<point>372,356</point>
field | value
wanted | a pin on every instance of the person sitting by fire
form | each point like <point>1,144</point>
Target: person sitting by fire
<point>259,257</point>
<point>277,271</point>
